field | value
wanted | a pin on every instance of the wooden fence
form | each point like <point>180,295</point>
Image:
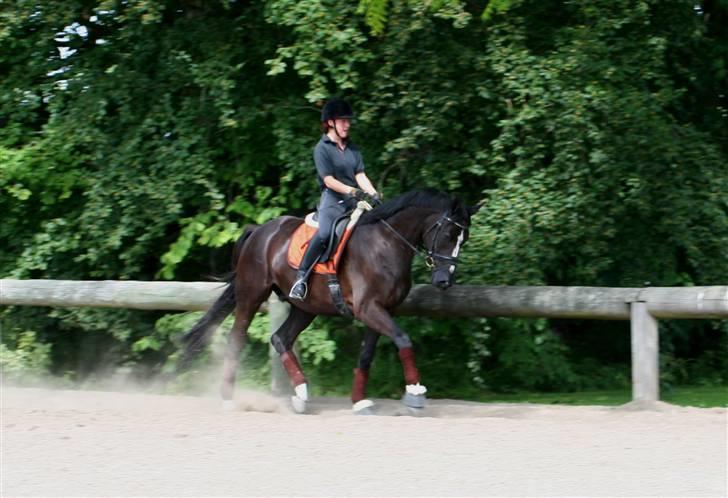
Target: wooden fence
<point>642,306</point>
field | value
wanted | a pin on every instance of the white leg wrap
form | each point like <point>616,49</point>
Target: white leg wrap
<point>299,405</point>
<point>360,405</point>
<point>416,389</point>
<point>228,405</point>
<point>302,391</point>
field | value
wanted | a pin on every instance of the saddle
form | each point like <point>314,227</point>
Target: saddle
<point>329,260</point>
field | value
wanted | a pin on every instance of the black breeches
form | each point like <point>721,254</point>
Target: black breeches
<point>330,208</point>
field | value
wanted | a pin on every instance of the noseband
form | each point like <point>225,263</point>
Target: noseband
<point>431,257</point>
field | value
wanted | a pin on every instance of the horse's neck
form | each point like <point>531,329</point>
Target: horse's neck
<point>409,223</point>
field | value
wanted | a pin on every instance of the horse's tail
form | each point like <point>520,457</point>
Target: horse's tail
<point>200,334</point>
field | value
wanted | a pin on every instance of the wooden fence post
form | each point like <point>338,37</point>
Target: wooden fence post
<point>278,312</point>
<point>645,354</point>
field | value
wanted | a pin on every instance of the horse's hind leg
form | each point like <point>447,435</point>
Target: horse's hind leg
<point>361,405</point>
<point>244,313</point>
<point>282,341</point>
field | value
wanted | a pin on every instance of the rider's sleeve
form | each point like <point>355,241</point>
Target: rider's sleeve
<point>324,167</point>
<point>359,164</point>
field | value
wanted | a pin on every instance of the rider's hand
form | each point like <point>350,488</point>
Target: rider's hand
<point>358,194</point>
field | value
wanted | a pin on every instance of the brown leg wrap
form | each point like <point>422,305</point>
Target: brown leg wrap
<point>290,363</point>
<point>411,375</point>
<point>359,389</point>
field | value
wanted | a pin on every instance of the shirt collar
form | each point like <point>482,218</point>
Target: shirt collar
<point>325,139</point>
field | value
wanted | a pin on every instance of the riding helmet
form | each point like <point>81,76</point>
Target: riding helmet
<point>336,109</point>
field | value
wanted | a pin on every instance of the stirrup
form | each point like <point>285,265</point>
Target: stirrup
<point>298,295</point>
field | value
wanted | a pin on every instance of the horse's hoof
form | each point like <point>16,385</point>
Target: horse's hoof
<point>299,405</point>
<point>414,400</point>
<point>363,407</point>
<point>228,405</point>
<point>416,412</point>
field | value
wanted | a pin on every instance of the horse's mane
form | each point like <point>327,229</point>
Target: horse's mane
<point>425,198</point>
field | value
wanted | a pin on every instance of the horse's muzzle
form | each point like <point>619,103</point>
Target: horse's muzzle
<point>442,279</point>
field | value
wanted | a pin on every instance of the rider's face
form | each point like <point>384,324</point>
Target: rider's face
<point>342,126</point>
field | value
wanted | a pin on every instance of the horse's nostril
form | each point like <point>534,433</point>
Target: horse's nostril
<point>442,284</point>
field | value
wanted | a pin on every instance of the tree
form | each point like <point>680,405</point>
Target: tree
<point>139,137</point>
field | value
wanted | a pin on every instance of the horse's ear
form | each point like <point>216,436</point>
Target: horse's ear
<point>474,209</point>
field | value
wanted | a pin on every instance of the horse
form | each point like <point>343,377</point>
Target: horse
<point>374,274</point>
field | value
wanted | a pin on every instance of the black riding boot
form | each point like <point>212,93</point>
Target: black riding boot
<point>299,289</point>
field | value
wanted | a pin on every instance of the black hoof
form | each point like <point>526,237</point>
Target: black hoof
<point>414,400</point>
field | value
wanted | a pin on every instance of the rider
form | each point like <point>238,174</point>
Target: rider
<point>342,180</point>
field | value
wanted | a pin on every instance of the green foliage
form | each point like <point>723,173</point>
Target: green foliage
<point>530,357</point>
<point>496,7</point>
<point>594,166</point>
<point>138,138</point>
<point>26,358</point>
<point>375,14</point>
<point>326,44</point>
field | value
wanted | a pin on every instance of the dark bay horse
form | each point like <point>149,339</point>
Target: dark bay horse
<point>375,276</point>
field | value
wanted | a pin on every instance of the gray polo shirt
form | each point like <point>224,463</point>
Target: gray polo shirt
<point>342,165</point>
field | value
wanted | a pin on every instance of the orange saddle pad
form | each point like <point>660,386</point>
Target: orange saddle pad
<point>299,243</point>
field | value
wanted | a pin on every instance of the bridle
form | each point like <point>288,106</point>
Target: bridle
<point>428,254</point>
<point>432,256</point>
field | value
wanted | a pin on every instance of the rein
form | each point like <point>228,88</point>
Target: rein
<point>430,256</point>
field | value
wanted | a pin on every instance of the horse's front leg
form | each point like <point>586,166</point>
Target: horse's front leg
<point>379,319</point>
<point>362,405</point>
<point>282,341</point>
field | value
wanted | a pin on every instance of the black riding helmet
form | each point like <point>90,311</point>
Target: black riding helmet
<point>336,109</point>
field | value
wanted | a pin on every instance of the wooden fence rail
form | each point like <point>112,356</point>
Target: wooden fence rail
<point>642,306</point>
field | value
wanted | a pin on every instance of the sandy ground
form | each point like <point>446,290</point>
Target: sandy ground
<point>85,443</point>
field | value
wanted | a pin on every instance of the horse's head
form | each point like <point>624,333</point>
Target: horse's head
<point>432,219</point>
<point>444,239</point>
